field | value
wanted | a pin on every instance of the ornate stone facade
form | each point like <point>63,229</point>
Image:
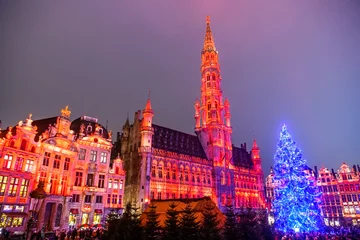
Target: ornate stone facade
<point>72,159</point>
<point>162,163</point>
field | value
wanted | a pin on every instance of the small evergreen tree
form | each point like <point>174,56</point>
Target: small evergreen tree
<point>210,226</point>
<point>189,227</point>
<point>152,228</point>
<point>248,225</point>
<point>171,229</point>
<point>129,226</point>
<point>230,228</point>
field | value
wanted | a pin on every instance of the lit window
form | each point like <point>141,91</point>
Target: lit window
<point>121,184</point>
<point>160,171</point>
<point>78,179</point>
<point>57,160</point>
<point>3,182</point>
<point>19,163</point>
<point>29,166</point>
<point>93,155</point>
<point>101,182</point>
<point>99,199</point>
<point>87,199</point>
<point>103,157</point>
<point>14,183</point>
<point>7,161</point>
<point>110,183</point>
<point>116,184</point>
<point>24,187</point>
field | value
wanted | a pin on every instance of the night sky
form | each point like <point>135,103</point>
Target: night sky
<point>281,61</point>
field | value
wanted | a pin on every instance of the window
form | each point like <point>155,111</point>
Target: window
<point>7,161</point>
<point>67,164</point>
<point>90,180</point>
<point>153,170</point>
<point>110,183</point>
<point>114,199</point>
<point>173,173</point>
<point>93,155</point>
<point>341,188</point>
<point>87,199</point>
<point>3,182</point>
<point>29,166</point>
<point>120,199</point>
<point>168,172</point>
<point>159,195</point>
<point>82,154</point>
<point>101,182</point>
<point>19,163</point>
<point>75,198</point>
<point>24,187</point>
<point>57,161</point>
<point>54,183</point>
<point>152,195</point>
<point>160,171</point>
<point>116,184</point>
<point>63,185</point>
<point>98,199</point>
<point>207,80</point>
<point>187,172</point>
<point>14,182</point>
<point>121,184</point>
<point>213,76</point>
<point>46,159</point>
<point>23,145</point>
<point>78,179</point>
<point>109,198</point>
<point>42,176</point>
<point>103,157</point>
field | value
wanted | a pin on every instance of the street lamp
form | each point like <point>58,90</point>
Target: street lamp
<point>37,197</point>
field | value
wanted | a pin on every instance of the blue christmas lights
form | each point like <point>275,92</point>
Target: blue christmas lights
<point>297,198</point>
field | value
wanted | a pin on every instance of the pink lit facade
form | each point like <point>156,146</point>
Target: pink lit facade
<point>163,163</point>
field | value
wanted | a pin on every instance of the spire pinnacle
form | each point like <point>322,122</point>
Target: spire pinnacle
<point>209,43</point>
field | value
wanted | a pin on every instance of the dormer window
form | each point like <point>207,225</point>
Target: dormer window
<point>100,131</point>
<point>23,144</point>
<point>89,129</point>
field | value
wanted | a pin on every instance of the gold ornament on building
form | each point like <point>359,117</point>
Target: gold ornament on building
<point>66,112</point>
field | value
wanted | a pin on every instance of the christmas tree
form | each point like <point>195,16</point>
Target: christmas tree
<point>189,226</point>
<point>171,230</point>
<point>152,228</point>
<point>297,198</point>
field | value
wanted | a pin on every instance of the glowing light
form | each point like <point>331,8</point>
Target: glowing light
<point>297,198</point>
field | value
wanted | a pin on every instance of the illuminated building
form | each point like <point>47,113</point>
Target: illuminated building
<point>340,203</point>
<point>163,163</point>
<point>18,157</point>
<point>90,174</point>
<point>72,159</point>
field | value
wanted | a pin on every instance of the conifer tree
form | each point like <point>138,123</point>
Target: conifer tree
<point>248,225</point>
<point>297,197</point>
<point>171,229</point>
<point>230,227</point>
<point>152,228</point>
<point>189,227</point>
<point>210,226</point>
<point>129,227</point>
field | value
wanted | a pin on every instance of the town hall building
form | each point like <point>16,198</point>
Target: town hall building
<point>162,163</point>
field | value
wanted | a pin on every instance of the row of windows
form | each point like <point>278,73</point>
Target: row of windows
<point>160,195</point>
<point>90,181</point>
<point>93,155</point>
<point>13,185</point>
<point>112,198</point>
<point>56,162</point>
<point>342,188</point>
<point>18,163</point>
<point>332,210</point>
<point>57,183</point>
<point>23,146</point>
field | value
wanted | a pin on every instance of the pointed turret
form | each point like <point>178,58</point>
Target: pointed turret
<point>255,151</point>
<point>209,44</point>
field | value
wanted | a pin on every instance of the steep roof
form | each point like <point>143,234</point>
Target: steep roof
<point>198,206</point>
<point>175,141</point>
<point>241,157</point>
<point>42,125</point>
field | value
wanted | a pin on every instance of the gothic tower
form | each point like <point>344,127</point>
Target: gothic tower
<point>212,116</point>
<point>146,131</point>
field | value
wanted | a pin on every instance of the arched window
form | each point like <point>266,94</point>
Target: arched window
<point>213,77</point>
<point>153,169</point>
<point>173,172</point>
<point>168,167</point>
<point>33,149</point>
<point>187,173</point>
<point>228,179</point>
<point>181,177</point>
<point>160,170</point>
<point>208,80</point>
<point>12,143</point>
<point>209,110</point>
<point>117,170</point>
<point>193,174</point>
<point>100,131</point>
<point>209,177</point>
<point>23,145</point>
<point>89,128</point>
<point>198,175</point>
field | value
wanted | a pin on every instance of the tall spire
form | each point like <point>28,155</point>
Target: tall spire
<point>209,43</point>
